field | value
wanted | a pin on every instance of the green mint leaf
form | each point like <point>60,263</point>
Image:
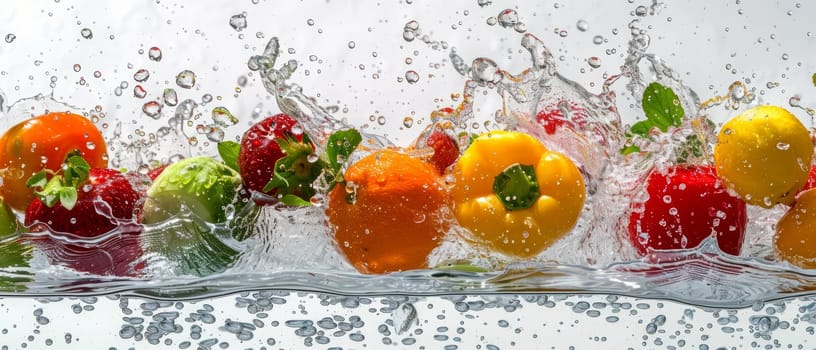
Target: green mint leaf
<point>38,180</point>
<point>642,128</point>
<point>662,106</point>
<point>340,146</point>
<point>629,150</point>
<point>294,201</point>
<point>68,197</point>
<point>229,151</point>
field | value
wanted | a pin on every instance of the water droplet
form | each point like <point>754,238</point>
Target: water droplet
<point>139,91</point>
<point>594,62</point>
<point>77,68</point>
<point>485,70</point>
<point>154,54</point>
<point>186,79</point>
<point>641,11</point>
<point>86,33</point>
<point>10,37</point>
<point>238,22</point>
<point>222,117</point>
<point>352,44</point>
<point>411,76</point>
<point>783,146</point>
<point>141,75</point>
<point>170,97</point>
<point>582,25</point>
<point>215,134</point>
<point>484,3</point>
<point>508,18</point>
<point>491,21</point>
<point>152,109</point>
<point>408,122</point>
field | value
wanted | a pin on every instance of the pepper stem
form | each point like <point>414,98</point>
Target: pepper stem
<point>517,187</point>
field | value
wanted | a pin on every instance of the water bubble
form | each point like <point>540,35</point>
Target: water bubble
<point>222,117</point>
<point>238,22</point>
<point>152,109</point>
<point>141,75</point>
<point>411,77</point>
<point>186,79</point>
<point>139,91</point>
<point>352,44</point>
<point>491,21</point>
<point>215,134</point>
<point>783,146</point>
<point>154,54</point>
<point>641,11</point>
<point>408,122</point>
<point>483,3</point>
<point>508,18</point>
<point>485,70</point>
<point>520,27</point>
<point>795,101</point>
<point>582,25</point>
<point>169,96</point>
<point>77,68</point>
<point>594,62</point>
<point>86,33</point>
<point>10,37</point>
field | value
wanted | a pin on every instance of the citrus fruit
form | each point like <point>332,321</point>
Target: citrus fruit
<point>795,239</point>
<point>764,155</point>
<point>390,214</point>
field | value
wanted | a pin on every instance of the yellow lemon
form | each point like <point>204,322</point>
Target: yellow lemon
<point>764,155</point>
<point>795,239</point>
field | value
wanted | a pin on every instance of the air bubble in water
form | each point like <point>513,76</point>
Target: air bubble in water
<point>10,37</point>
<point>594,62</point>
<point>352,44</point>
<point>141,75</point>
<point>408,122</point>
<point>154,54</point>
<point>222,117</point>
<point>77,68</point>
<point>86,33</point>
<point>597,40</point>
<point>484,3</point>
<point>152,109</point>
<point>491,21</point>
<point>411,76</point>
<point>582,25</point>
<point>508,18</point>
<point>170,97</point>
<point>238,22</point>
<point>485,70</point>
<point>186,79</point>
<point>139,91</point>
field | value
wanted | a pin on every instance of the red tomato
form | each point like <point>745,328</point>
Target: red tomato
<point>43,143</point>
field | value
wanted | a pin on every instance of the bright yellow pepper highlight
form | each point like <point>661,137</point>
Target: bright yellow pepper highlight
<point>517,232</point>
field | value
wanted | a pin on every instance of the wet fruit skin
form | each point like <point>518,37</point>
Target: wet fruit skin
<point>394,216</point>
<point>260,150</point>
<point>43,143</point>
<point>795,239</point>
<point>764,154</point>
<point>686,205</point>
<point>106,202</point>
<point>445,150</point>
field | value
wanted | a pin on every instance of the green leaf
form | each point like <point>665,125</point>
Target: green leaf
<point>229,151</point>
<point>642,128</point>
<point>68,197</point>
<point>294,201</point>
<point>341,144</point>
<point>76,170</point>
<point>38,180</point>
<point>662,106</point>
<point>629,150</point>
<point>691,148</point>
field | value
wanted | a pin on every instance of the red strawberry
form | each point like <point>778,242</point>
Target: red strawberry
<point>687,204</point>
<point>260,150</point>
<point>104,202</point>
<point>445,150</point>
<point>552,116</point>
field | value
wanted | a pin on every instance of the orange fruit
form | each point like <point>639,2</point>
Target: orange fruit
<point>391,213</point>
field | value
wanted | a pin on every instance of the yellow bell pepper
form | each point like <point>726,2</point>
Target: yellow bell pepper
<point>514,195</point>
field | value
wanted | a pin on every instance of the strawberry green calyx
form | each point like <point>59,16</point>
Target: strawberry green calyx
<point>201,184</point>
<point>295,172</point>
<point>62,186</point>
<point>300,168</point>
